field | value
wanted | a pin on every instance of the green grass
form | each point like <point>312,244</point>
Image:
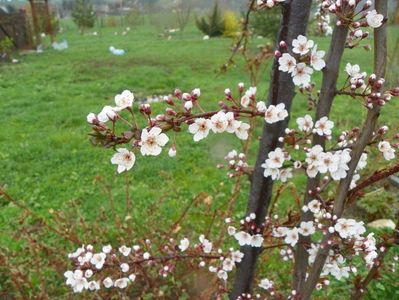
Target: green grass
<point>46,159</point>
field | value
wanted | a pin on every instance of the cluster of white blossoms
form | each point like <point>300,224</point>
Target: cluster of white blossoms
<point>387,150</point>
<point>150,140</point>
<point>336,163</point>
<point>219,123</point>
<point>323,127</point>
<point>249,234</point>
<point>323,20</point>
<point>305,52</point>
<point>226,263</point>
<point>89,263</point>
<point>334,265</point>
<point>273,165</point>
<point>357,78</point>
<point>274,113</point>
<point>118,268</point>
<point>236,162</point>
<point>291,235</point>
<point>110,113</point>
<point>348,234</point>
<point>345,8</point>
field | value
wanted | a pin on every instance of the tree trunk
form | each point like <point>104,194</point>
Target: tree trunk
<point>281,90</point>
<point>35,22</point>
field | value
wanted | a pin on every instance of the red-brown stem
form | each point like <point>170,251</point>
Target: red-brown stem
<point>377,176</point>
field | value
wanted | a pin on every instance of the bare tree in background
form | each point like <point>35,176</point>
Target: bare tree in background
<point>182,9</point>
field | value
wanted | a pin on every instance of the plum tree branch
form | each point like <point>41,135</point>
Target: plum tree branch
<point>327,95</point>
<point>380,57</point>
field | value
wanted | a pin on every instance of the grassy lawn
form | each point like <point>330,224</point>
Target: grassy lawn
<point>46,159</point>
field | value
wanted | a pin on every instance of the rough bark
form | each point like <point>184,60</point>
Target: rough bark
<point>294,22</point>
<point>380,56</point>
<point>327,94</point>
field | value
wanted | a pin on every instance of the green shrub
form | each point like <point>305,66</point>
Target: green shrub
<point>134,18</point>
<point>6,46</point>
<point>212,25</point>
<point>266,23</point>
<point>83,14</point>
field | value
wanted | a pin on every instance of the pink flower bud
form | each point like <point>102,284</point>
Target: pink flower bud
<point>170,111</point>
<point>283,45</point>
<point>178,93</point>
<point>394,92</point>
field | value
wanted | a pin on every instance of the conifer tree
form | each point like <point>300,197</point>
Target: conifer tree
<point>83,14</point>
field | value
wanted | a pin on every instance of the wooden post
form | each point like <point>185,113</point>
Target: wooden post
<point>35,23</point>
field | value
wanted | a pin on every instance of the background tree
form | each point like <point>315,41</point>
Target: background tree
<point>182,9</point>
<point>266,23</point>
<point>213,25</point>
<point>83,14</point>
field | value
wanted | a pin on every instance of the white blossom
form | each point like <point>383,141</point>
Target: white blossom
<point>91,117</point>
<point>93,286</point>
<point>107,249</point>
<point>206,244</point>
<point>242,131</point>
<point>305,123</point>
<point>219,122</point>
<point>243,238</point>
<point>232,123</point>
<point>124,100</point>
<point>314,206</point>
<point>352,70</point>
<point>280,231</point>
<point>107,282</point>
<point>125,267</point>
<point>266,284</point>
<point>374,19</point>
<point>200,128</point>
<point>256,240</point>
<point>292,237</point>
<point>121,283</point>
<point>222,275</point>
<point>125,250</point>
<point>237,256</point>
<point>306,228</point>
<point>324,126</point>
<point>98,260</point>
<point>301,45</point>
<point>287,63</point>
<point>386,149</point>
<point>275,113</point>
<point>184,244</point>
<point>124,158</point>
<point>301,74</point>
<point>261,106</point>
<point>108,113</point>
<point>152,141</point>
<point>316,59</point>
<point>228,264</point>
